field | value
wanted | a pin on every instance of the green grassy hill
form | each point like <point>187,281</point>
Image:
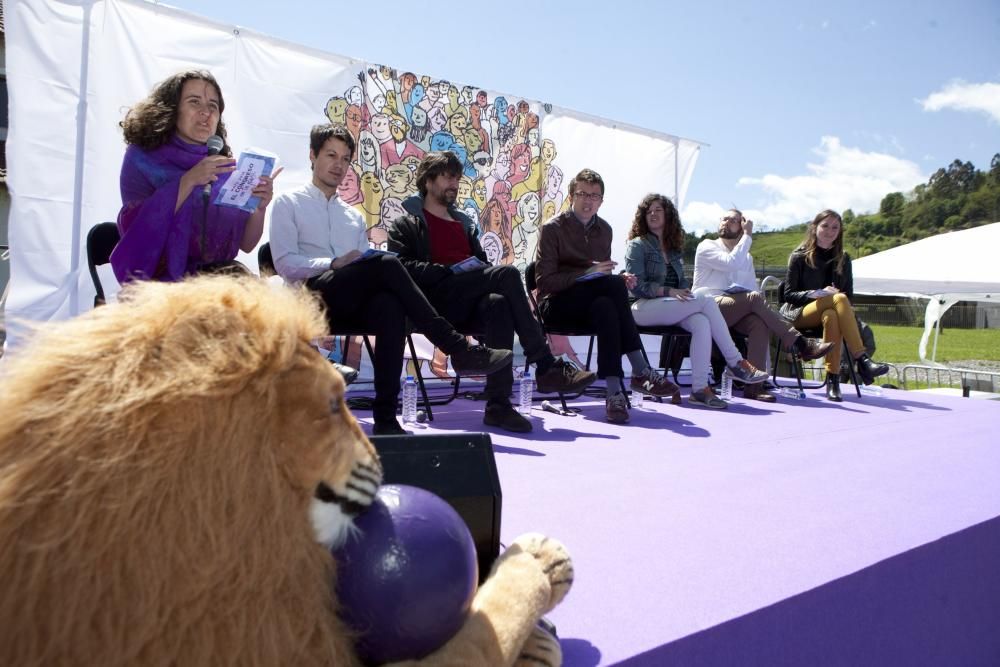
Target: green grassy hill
<point>773,248</point>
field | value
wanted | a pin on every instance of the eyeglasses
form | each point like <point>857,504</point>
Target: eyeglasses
<point>483,161</point>
<point>593,196</point>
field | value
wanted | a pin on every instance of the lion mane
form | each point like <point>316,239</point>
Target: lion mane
<point>160,460</point>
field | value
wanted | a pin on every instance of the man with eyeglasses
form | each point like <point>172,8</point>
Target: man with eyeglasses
<point>430,241</point>
<point>723,268</point>
<point>577,287</point>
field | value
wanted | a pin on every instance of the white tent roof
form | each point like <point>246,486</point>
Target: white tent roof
<point>944,269</point>
<point>963,264</point>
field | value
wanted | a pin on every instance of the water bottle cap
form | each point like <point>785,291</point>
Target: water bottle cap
<point>409,378</point>
<point>527,374</point>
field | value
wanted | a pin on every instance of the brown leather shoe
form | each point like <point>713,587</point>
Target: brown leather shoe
<point>564,377</point>
<point>812,348</point>
<point>756,392</point>
<point>616,408</point>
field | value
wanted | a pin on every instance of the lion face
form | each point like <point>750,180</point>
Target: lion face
<point>340,466</point>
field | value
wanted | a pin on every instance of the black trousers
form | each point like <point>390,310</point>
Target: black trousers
<point>492,302</point>
<point>600,305</point>
<point>377,296</point>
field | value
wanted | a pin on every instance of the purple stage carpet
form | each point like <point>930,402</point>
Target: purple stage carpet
<point>796,533</point>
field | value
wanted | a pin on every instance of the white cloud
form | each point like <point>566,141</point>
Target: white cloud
<point>845,178</point>
<point>961,96</point>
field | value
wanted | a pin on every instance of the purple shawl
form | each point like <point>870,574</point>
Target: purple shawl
<point>158,243</point>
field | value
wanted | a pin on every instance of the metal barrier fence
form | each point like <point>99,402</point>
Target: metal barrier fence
<point>914,376</point>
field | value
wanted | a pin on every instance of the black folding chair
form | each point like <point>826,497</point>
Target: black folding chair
<point>265,264</point>
<point>556,330</point>
<point>796,360</point>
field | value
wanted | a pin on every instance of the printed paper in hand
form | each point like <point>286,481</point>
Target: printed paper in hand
<point>237,189</point>
<point>373,252</point>
<point>735,289</point>
<point>468,264</point>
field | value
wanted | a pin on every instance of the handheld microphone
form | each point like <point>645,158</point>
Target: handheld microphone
<point>548,407</point>
<point>215,145</point>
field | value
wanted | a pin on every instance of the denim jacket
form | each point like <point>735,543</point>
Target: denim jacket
<point>644,257</point>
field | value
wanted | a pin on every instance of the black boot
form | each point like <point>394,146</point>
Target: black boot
<point>869,370</point>
<point>833,388</point>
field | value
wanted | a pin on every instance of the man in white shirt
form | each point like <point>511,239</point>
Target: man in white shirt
<point>319,240</point>
<point>723,268</point>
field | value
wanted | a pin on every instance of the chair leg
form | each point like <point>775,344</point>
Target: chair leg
<point>671,346</point>
<point>850,367</point>
<point>420,379</point>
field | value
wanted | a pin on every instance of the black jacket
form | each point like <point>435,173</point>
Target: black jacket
<point>410,240</point>
<point>803,279</point>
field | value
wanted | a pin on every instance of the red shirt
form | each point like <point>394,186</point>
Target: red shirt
<point>449,243</point>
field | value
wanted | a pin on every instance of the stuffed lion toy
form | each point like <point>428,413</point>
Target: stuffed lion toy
<point>160,466</point>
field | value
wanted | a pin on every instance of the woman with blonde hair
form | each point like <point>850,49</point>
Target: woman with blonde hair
<point>818,292</point>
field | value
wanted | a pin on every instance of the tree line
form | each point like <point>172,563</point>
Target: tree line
<point>957,197</point>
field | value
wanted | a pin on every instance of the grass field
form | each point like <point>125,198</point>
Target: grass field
<point>898,345</point>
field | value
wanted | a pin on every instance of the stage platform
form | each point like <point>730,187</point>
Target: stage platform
<point>796,533</point>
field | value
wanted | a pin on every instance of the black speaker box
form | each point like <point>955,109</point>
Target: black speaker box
<point>458,467</point>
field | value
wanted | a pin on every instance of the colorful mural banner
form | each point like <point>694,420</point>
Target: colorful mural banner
<point>75,67</point>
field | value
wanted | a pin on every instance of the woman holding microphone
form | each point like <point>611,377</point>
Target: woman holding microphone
<point>177,152</point>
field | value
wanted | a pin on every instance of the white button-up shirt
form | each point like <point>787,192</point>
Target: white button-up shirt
<point>308,231</point>
<point>716,268</point>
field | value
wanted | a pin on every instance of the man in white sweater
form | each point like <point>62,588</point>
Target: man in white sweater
<point>723,268</point>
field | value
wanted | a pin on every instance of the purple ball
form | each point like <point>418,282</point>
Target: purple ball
<point>406,580</point>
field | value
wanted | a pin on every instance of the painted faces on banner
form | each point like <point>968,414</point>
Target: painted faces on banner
<point>398,117</point>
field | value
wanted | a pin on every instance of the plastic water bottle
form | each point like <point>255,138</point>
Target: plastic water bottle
<point>726,386</point>
<point>793,393</point>
<point>637,398</point>
<point>409,400</point>
<point>524,405</point>
<point>871,390</point>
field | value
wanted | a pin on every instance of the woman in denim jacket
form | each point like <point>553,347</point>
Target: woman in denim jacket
<point>661,297</point>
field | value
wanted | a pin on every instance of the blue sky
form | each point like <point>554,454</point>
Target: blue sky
<point>805,105</point>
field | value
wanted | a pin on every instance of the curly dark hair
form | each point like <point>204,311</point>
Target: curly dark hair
<point>809,246</point>
<point>151,122</point>
<point>673,233</point>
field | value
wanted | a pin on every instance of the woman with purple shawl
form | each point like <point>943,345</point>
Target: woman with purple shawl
<point>169,226</point>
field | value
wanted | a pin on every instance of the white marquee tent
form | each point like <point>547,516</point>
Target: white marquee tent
<point>944,269</point>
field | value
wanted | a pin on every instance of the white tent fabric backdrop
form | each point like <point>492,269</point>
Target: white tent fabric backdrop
<point>945,269</point>
<point>75,67</point>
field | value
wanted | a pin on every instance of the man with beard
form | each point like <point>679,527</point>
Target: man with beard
<point>319,240</point>
<point>430,240</point>
<point>723,268</point>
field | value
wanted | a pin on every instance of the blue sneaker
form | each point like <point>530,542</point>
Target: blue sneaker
<point>747,373</point>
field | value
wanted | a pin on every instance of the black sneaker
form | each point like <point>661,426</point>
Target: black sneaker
<point>348,373</point>
<point>480,360</point>
<point>503,415</point>
<point>564,377</point>
<point>388,427</point>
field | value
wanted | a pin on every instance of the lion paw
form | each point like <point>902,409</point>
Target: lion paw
<point>554,560</point>
<point>542,649</point>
